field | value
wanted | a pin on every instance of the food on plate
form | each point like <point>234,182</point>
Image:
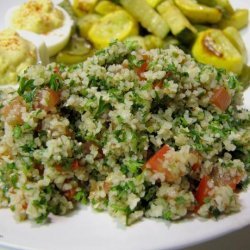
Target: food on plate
<point>117,25</point>
<point>38,16</point>
<point>234,37</point>
<point>106,7</point>
<point>239,19</point>
<point>76,51</point>
<point>81,7</point>
<point>198,13</point>
<point>184,20</point>
<point>17,52</point>
<point>177,22</point>
<point>133,132</point>
<point>152,23</point>
<point>213,47</point>
<point>41,17</point>
<point>147,16</point>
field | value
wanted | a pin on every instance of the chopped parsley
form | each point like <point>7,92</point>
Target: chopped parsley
<point>102,108</point>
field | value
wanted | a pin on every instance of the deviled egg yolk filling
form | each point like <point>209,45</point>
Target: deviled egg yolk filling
<point>38,16</point>
<point>16,54</point>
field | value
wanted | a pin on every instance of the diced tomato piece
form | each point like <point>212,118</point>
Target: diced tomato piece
<point>221,98</point>
<point>56,70</point>
<point>47,99</point>
<point>75,165</point>
<point>231,183</point>
<point>197,165</point>
<point>70,194</point>
<point>144,67</point>
<point>202,191</point>
<point>158,84</point>
<point>25,205</point>
<point>59,168</point>
<point>12,112</point>
<point>155,162</point>
<point>106,186</point>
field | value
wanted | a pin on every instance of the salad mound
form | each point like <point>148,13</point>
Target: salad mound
<point>133,132</point>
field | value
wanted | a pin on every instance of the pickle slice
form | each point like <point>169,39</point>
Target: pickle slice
<point>213,47</point>
<point>114,26</point>
<point>198,13</point>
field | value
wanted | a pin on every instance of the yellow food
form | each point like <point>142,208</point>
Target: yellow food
<point>235,38</point>
<point>86,22</point>
<point>154,3</point>
<point>38,16</point>
<point>147,16</point>
<point>152,42</point>
<point>42,19</point>
<point>213,47</point>
<point>117,25</point>
<point>174,18</point>
<point>77,51</point>
<point>138,39</point>
<point>198,13</point>
<point>81,7</point>
<point>16,54</point>
<point>239,20</point>
<point>225,5</point>
<point>106,7</point>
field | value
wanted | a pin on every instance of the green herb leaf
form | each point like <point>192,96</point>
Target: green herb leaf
<point>81,197</point>
<point>55,82</point>
<point>102,108</point>
<point>25,85</point>
<point>42,218</point>
<point>17,132</point>
<point>232,82</point>
<point>167,215</point>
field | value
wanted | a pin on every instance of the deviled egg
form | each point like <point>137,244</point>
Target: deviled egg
<point>52,23</point>
<point>19,50</point>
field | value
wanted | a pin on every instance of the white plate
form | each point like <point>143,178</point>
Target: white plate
<point>85,229</point>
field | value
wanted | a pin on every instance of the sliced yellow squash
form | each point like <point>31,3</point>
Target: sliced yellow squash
<point>235,38</point>
<point>138,39</point>
<point>106,7</point>
<point>147,16</point>
<point>239,20</point>
<point>81,7</point>
<point>177,22</point>
<point>154,3</point>
<point>198,13</point>
<point>225,5</point>
<point>117,25</point>
<point>152,42</point>
<point>86,22</point>
<point>213,47</point>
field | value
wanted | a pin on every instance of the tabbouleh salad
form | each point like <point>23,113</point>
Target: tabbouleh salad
<point>133,132</point>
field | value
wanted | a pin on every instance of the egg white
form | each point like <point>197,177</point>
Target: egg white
<point>41,49</point>
<point>54,40</point>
